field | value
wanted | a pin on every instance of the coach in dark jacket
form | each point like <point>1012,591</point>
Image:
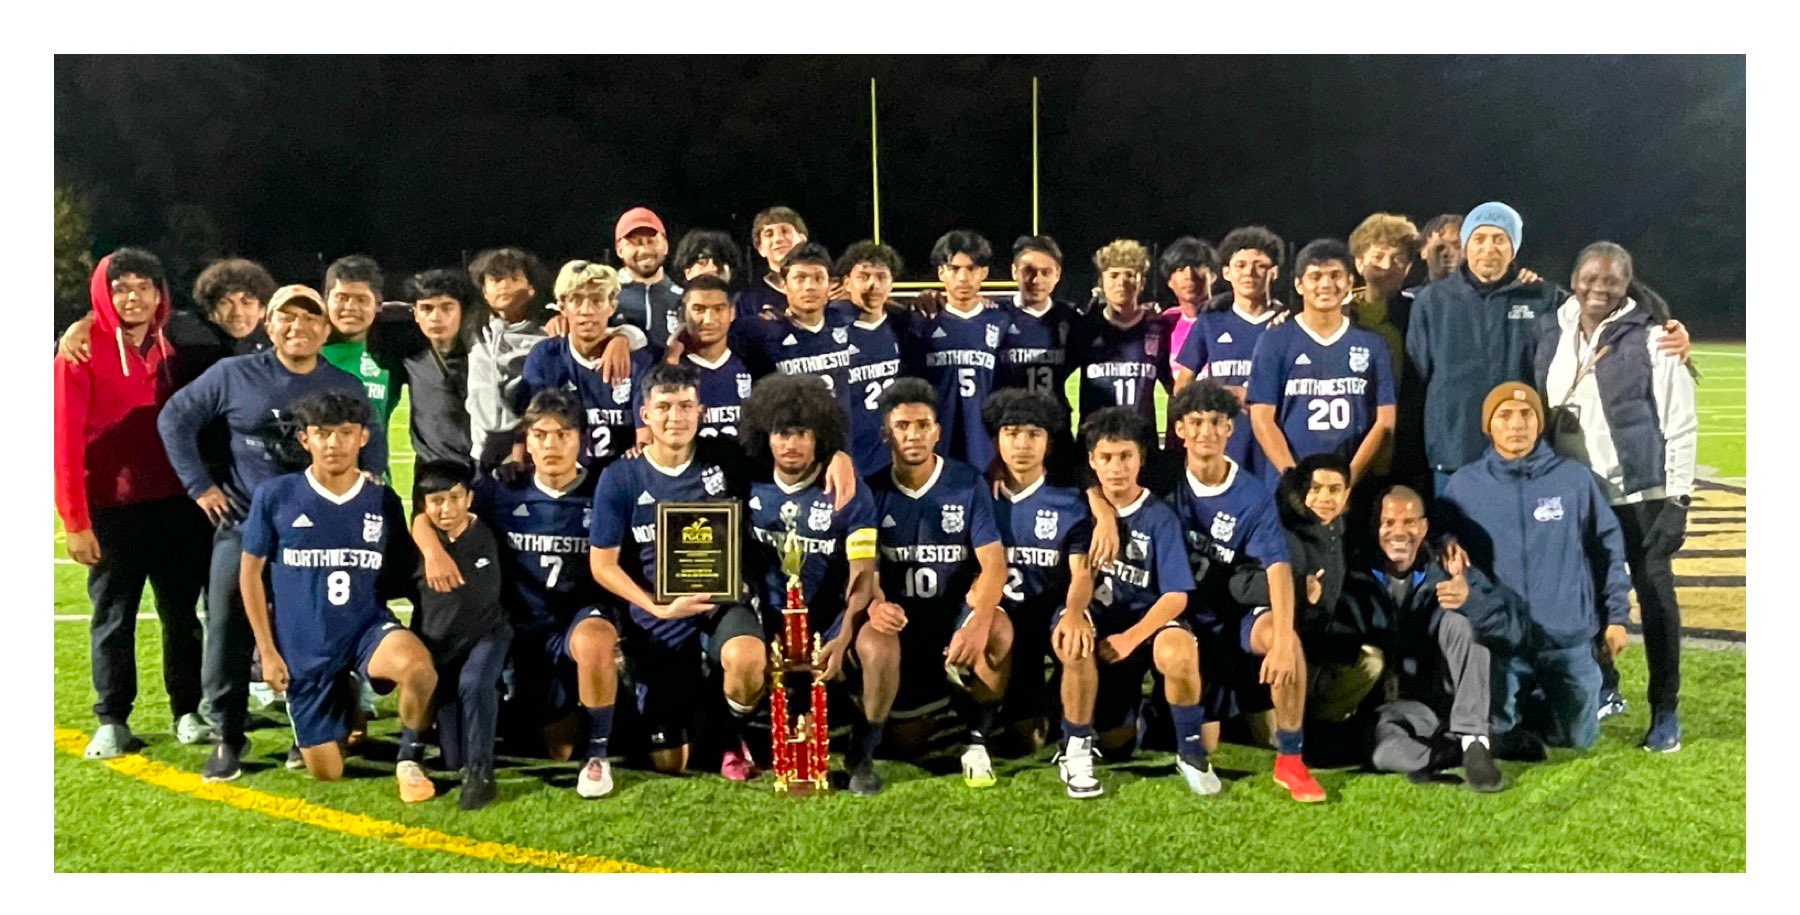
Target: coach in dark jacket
<point>1447,621</point>
<point>1540,527</point>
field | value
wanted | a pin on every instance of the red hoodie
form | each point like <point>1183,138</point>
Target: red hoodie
<point>107,450</point>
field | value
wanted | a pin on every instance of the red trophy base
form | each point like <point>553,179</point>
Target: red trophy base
<point>799,754</point>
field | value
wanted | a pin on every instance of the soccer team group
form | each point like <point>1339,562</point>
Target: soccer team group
<point>1408,510</point>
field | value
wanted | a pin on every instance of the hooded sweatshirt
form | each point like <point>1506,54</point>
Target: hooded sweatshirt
<point>1541,529</point>
<point>107,452</point>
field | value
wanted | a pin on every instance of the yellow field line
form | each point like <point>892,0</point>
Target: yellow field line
<point>355,824</point>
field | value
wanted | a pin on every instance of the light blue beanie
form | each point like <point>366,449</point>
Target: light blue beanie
<point>1496,214</point>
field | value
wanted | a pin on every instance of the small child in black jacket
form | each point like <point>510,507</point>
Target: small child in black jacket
<point>465,628</point>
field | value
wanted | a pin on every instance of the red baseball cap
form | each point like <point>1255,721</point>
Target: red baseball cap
<point>637,218</point>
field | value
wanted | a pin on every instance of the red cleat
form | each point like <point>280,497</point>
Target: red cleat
<point>1291,773</point>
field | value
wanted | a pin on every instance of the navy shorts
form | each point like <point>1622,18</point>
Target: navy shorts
<point>1119,697</point>
<point>1232,672</point>
<point>924,683</point>
<point>668,679</point>
<point>543,670</point>
<point>323,702</point>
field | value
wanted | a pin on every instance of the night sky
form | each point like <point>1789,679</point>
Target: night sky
<point>421,161</point>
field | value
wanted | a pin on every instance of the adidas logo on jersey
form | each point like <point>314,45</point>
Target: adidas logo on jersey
<point>1303,360</point>
<point>302,521</point>
<point>521,512</point>
<point>938,334</point>
<point>1225,337</point>
<point>887,521</point>
<point>481,563</point>
<point>644,498</point>
<point>790,341</point>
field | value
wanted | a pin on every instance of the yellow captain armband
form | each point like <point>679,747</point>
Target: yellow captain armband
<point>860,544</point>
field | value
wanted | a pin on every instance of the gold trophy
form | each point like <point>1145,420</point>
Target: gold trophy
<point>799,752</point>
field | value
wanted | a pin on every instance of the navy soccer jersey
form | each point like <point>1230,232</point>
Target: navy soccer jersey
<point>542,534</point>
<point>1224,527</point>
<point>958,359</point>
<point>1325,389</point>
<point>793,349</point>
<point>325,553</point>
<point>1121,363</point>
<point>609,414</point>
<point>1034,353</point>
<point>1042,526</point>
<point>876,359</point>
<point>1151,562</point>
<point>625,517</point>
<point>829,537</point>
<point>928,536</point>
<point>1219,347</point>
<point>724,384</point>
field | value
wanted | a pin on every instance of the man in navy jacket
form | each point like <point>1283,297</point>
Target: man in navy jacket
<point>1541,529</point>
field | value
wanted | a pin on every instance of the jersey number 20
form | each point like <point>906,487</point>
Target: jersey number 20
<point>1328,413</point>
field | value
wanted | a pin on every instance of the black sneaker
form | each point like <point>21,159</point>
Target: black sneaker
<point>1479,769</point>
<point>478,790</point>
<point>1521,746</point>
<point>223,765</point>
<point>294,760</point>
<point>864,780</point>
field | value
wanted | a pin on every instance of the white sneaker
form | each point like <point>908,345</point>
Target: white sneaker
<point>978,770</point>
<point>191,729</point>
<point>114,740</point>
<point>1203,781</point>
<point>262,696</point>
<point>1075,764</point>
<point>596,778</point>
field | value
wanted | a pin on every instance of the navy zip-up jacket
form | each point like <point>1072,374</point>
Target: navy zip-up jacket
<point>252,394</point>
<point>1541,528</point>
<point>1463,338</point>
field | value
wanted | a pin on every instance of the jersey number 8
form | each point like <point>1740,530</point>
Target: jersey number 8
<point>337,588</point>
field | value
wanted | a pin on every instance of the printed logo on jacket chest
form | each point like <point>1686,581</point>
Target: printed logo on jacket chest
<point>1549,508</point>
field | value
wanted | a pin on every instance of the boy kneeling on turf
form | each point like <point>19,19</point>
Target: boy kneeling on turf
<point>465,629</point>
<point>324,535</point>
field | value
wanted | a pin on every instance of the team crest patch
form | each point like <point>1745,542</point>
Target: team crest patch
<point>953,519</point>
<point>993,335</point>
<point>1152,343</point>
<point>621,390</point>
<point>1139,547</point>
<point>714,481</point>
<point>743,384</point>
<point>840,335</point>
<point>1549,508</point>
<point>673,320</point>
<point>1045,527</point>
<point>371,528</point>
<point>1223,525</point>
<point>587,517</point>
<point>1359,358</point>
<point>819,518</point>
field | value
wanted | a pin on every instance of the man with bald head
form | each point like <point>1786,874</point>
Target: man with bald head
<point>1442,610</point>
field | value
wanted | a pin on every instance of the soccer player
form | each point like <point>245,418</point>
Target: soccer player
<point>1138,605</point>
<point>791,422</point>
<point>121,502</point>
<point>588,293</point>
<point>706,348</point>
<point>1034,353</point>
<point>880,338</point>
<point>329,539</point>
<point>252,396</point>
<point>1228,519</point>
<point>1046,530</point>
<point>942,571</point>
<point>363,342</point>
<point>564,630</point>
<point>665,641</point>
<point>1319,383</point>
<point>773,233</point>
<point>1122,349</point>
<point>465,629</point>
<point>1225,334</point>
<point>958,346</point>
<point>648,298</point>
<point>807,338</point>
